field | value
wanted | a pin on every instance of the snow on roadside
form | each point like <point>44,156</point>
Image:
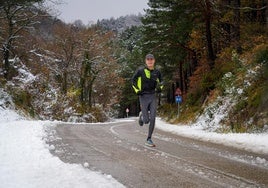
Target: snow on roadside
<point>209,122</point>
<point>7,112</point>
<point>8,116</point>
<point>25,160</point>
<point>257,143</point>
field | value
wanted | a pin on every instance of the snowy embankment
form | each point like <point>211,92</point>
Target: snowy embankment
<point>257,142</point>
<point>25,160</point>
<point>208,124</point>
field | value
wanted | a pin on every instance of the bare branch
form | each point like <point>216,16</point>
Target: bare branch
<point>246,8</point>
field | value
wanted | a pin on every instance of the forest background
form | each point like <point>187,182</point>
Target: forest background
<point>216,52</point>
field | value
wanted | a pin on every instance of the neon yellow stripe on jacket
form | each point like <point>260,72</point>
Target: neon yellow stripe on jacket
<point>147,73</point>
<point>159,84</point>
<point>138,84</point>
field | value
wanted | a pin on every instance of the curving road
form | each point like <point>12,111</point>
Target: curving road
<point>118,149</point>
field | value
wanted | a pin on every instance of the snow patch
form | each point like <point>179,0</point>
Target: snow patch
<point>261,160</point>
<point>7,113</point>
<point>25,76</point>
<point>86,165</point>
<point>217,112</point>
<point>257,143</point>
<point>26,161</point>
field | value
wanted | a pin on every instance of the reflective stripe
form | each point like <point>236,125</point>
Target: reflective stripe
<point>147,73</point>
<point>138,84</point>
<point>160,84</point>
<point>135,89</point>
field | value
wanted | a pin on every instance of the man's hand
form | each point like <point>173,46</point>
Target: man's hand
<point>139,93</point>
<point>158,90</point>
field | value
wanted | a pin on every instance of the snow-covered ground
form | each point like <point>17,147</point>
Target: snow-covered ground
<point>208,124</point>
<point>257,142</point>
<point>25,160</point>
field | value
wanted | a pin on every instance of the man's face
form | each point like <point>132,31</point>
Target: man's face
<point>150,62</point>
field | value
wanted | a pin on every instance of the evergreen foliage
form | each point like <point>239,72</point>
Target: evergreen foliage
<point>120,24</point>
<point>197,42</point>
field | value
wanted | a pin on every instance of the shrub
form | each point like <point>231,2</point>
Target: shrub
<point>22,98</point>
<point>168,111</point>
<point>261,55</point>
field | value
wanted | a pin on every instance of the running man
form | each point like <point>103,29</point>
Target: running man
<point>146,82</point>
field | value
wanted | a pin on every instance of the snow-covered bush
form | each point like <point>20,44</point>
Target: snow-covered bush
<point>242,104</point>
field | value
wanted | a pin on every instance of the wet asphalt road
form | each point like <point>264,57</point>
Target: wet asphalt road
<point>118,149</point>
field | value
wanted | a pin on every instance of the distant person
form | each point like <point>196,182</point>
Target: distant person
<point>146,82</point>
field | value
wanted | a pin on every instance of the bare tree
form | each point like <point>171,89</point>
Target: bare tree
<point>89,73</point>
<point>66,47</point>
<point>15,16</point>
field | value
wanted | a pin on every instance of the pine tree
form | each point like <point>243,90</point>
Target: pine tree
<point>167,26</point>
<point>130,58</point>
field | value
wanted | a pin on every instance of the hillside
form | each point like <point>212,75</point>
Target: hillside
<point>120,24</point>
<point>70,73</point>
<point>239,101</point>
<point>56,75</point>
<point>71,96</point>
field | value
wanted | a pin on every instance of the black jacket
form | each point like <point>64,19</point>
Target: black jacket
<point>146,81</point>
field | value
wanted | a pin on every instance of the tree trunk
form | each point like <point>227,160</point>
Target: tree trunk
<point>64,82</point>
<point>181,76</point>
<point>194,62</point>
<point>173,89</point>
<point>211,55</point>
<point>185,80</point>
<point>83,81</point>
<point>236,35</point>
<point>226,25</point>
<point>6,61</point>
<point>8,44</point>
<point>263,13</point>
<point>82,85</point>
<point>90,89</point>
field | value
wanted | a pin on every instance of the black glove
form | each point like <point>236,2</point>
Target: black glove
<point>158,90</point>
<point>139,93</point>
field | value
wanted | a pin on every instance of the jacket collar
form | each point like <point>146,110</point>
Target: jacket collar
<point>149,69</point>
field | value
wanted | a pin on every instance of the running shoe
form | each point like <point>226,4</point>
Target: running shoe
<point>149,143</point>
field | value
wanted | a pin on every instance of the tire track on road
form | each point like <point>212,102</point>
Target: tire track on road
<point>210,174</point>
